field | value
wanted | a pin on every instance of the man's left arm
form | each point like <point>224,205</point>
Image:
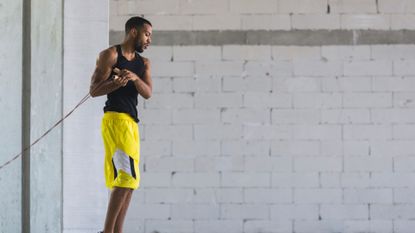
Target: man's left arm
<point>144,84</point>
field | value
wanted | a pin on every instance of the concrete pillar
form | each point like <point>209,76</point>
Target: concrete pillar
<point>11,112</point>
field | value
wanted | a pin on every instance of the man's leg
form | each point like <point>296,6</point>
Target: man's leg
<point>117,199</point>
<point>123,212</point>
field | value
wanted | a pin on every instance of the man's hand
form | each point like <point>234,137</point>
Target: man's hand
<point>120,81</point>
<point>126,74</point>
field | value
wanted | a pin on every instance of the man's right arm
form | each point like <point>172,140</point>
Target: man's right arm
<point>100,84</point>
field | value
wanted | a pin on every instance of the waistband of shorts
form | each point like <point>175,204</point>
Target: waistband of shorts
<point>117,116</point>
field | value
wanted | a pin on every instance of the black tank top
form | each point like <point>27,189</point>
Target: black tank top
<point>124,99</point>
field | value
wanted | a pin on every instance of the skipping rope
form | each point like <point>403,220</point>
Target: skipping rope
<point>83,100</point>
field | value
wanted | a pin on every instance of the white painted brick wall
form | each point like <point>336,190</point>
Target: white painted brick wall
<point>277,138</point>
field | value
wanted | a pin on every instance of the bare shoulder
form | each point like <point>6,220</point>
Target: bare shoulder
<point>108,55</point>
<point>146,61</point>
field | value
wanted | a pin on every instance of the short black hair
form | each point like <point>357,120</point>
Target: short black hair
<point>135,22</point>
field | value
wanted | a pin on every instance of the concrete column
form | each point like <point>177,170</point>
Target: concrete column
<point>46,61</point>
<point>11,121</point>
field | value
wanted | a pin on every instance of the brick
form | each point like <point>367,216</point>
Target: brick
<point>294,53</point>
<point>218,100</point>
<point>289,84</point>
<point>331,148</point>
<point>317,132</point>
<point>196,53</point>
<point>245,211</point>
<point>399,22</point>
<point>378,226</point>
<point>356,147</point>
<point>162,85</point>
<point>166,132</point>
<point>403,195</point>
<point>229,195</point>
<point>203,7</point>
<point>317,68</point>
<point>367,132</point>
<point>252,132</point>
<point>295,148</point>
<point>289,180</point>
<point>151,211</point>
<point>368,196</point>
<point>223,163</point>
<point>158,7</point>
<point>195,148</point>
<point>348,84</point>
<point>341,211</point>
<point>246,116</point>
<point>302,6</point>
<point>294,212</point>
<point>156,116</point>
<point>367,100</point>
<point>406,67</point>
<point>168,164</point>
<point>169,226</point>
<point>267,196</point>
<point>315,21</point>
<point>159,53</point>
<point>274,226</point>
<point>392,180</point>
<point>237,52</point>
<point>396,6</point>
<point>155,179</point>
<point>155,147</point>
<point>245,179</point>
<point>184,84</point>
<point>392,148</point>
<point>164,195</point>
<point>212,132</point>
<point>218,226</point>
<point>219,68</point>
<point>169,69</point>
<point>247,6</point>
<point>364,164</point>
<point>368,68</point>
<point>196,116</point>
<point>330,180</point>
<point>177,100</point>
<point>328,196</point>
<point>404,100</point>
<point>353,6</point>
<point>404,164</point>
<point>247,84</point>
<point>204,195</point>
<point>393,52</point>
<point>316,164</point>
<point>365,21</point>
<point>393,115</point>
<point>403,132</point>
<point>275,68</point>
<point>346,53</point>
<point>219,22</point>
<point>319,226</point>
<point>345,116</point>
<point>392,211</point>
<point>267,100</point>
<point>194,211</point>
<point>317,100</point>
<point>267,164</point>
<point>206,83</point>
<point>266,22</point>
<point>181,179</point>
<point>355,180</point>
<point>245,147</point>
<point>171,22</point>
<point>295,116</point>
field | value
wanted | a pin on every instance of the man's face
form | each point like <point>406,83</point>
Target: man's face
<point>143,38</point>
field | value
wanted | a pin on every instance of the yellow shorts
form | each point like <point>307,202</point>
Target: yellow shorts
<point>122,150</point>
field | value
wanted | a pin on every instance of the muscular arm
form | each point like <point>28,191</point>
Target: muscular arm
<point>144,84</point>
<point>99,83</point>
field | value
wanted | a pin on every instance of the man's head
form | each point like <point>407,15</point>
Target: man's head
<point>139,30</point>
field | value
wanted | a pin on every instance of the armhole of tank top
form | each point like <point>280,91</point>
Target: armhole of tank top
<point>118,50</point>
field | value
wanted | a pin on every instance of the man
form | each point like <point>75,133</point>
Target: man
<point>121,74</point>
